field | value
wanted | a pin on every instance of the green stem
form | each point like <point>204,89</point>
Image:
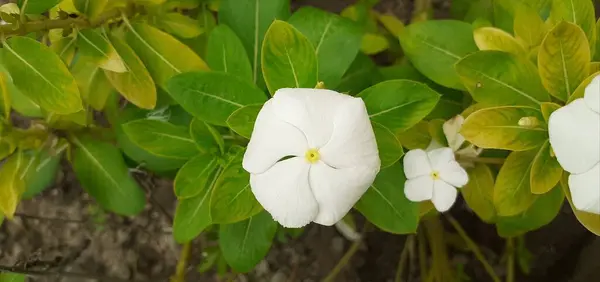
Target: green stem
<point>439,253</point>
<point>422,254</point>
<point>473,247</point>
<point>182,264</point>
<point>403,257</point>
<point>510,262</point>
<point>346,258</point>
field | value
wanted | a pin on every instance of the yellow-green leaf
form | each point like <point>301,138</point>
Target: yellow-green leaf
<point>594,66</point>
<point>529,27</point>
<point>564,60</point>
<point>579,12</point>
<point>391,23</point>
<point>545,171</point>
<point>135,85</point>
<point>180,25</point>
<point>5,104</point>
<point>194,176</point>
<point>548,108</point>
<point>580,91</point>
<point>510,128</point>
<point>208,139</point>
<point>161,138</point>
<point>11,185</point>
<point>373,43</point>
<point>65,48</point>
<point>479,192</point>
<point>162,54</point>
<point>288,58</point>
<point>589,220</point>
<point>91,8</point>
<point>416,137</point>
<point>491,38</point>
<point>242,120</point>
<point>41,75</point>
<point>93,45</point>
<point>512,192</point>
<point>225,52</point>
<point>93,84</point>
<point>36,6</point>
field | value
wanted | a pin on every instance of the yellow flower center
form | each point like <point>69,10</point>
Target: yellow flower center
<point>435,175</point>
<point>312,156</point>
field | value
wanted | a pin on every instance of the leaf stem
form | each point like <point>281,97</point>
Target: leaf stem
<point>347,256</point>
<point>182,263</point>
<point>510,262</point>
<point>473,247</point>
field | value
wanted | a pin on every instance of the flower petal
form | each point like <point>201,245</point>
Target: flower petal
<point>444,196</point>
<point>353,142</point>
<point>419,189</point>
<point>285,193</point>
<point>592,95</point>
<point>271,140</point>
<point>416,163</point>
<point>585,190</point>
<point>310,110</point>
<point>574,135</point>
<point>337,190</point>
<point>440,158</point>
<point>454,174</point>
<point>451,129</point>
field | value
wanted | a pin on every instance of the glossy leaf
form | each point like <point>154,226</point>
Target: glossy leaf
<point>207,138</point>
<point>91,8</point>
<point>41,75</point>
<point>589,220</point>
<point>512,192</point>
<point>373,43</point>
<point>100,169</point>
<point>506,128</point>
<point>491,38</point>
<point>93,84</point>
<point>244,244</point>
<point>40,170</point>
<point>580,91</point>
<point>213,96</point>
<point>288,58</point>
<point>242,120</point>
<point>479,192</point>
<point>390,149</point>
<point>545,171</point>
<point>416,137</point>
<point>5,103</point>
<point>529,27</point>
<point>161,138</point>
<point>36,6</point>
<point>11,184</point>
<point>225,52</point>
<point>65,48</point>
<point>399,104</point>
<point>363,73</point>
<point>497,78</point>
<point>564,60</point>
<point>193,177</point>
<point>579,12</point>
<point>180,25</point>
<point>327,32</point>
<point>433,47</point>
<point>548,108</point>
<point>93,45</point>
<point>385,204</point>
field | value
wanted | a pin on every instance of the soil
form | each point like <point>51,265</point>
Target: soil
<point>61,235</point>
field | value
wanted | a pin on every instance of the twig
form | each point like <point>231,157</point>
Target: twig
<point>21,270</point>
<point>510,262</point>
<point>346,258</point>
<point>182,263</point>
<point>410,240</point>
<point>473,247</point>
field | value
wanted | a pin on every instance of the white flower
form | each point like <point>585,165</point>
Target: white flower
<point>311,156</point>
<point>433,175</point>
<point>451,129</point>
<point>575,138</point>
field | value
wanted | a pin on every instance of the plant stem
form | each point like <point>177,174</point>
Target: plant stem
<point>422,253</point>
<point>510,262</point>
<point>473,247</point>
<point>182,263</point>
<point>403,257</point>
<point>347,256</point>
<point>441,267</point>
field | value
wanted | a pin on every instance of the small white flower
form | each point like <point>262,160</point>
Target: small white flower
<point>575,138</point>
<point>311,156</point>
<point>455,140</point>
<point>433,175</point>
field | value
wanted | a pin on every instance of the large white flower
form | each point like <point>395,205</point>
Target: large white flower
<point>575,138</point>
<point>311,156</point>
<point>433,175</point>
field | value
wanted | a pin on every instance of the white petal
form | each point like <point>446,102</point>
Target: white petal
<point>440,158</point>
<point>310,110</point>
<point>271,140</point>
<point>592,95</point>
<point>419,189</point>
<point>353,142</point>
<point>337,190</point>
<point>444,196</point>
<point>416,163</point>
<point>454,174</point>
<point>284,192</point>
<point>575,136</point>
<point>585,190</point>
<point>451,129</point>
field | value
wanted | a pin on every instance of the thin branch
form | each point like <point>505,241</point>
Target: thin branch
<point>403,257</point>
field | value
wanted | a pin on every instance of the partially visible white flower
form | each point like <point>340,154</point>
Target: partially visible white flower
<point>433,175</point>
<point>311,156</point>
<point>575,138</point>
<point>347,231</point>
<point>451,129</point>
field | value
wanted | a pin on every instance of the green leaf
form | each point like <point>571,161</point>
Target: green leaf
<point>193,177</point>
<point>589,220</point>
<point>393,24</point>
<point>327,32</point>
<point>385,204</point>
<point>93,84</point>
<point>41,75</point>
<point>373,43</point>
<point>225,52</point>
<point>242,120</point>
<point>564,60</point>
<point>162,54</point>
<point>491,38</point>
<point>390,149</point>
<point>250,21</point>
<point>580,91</point>
<point>399,104</point>
<point>40,170</point>
<point>529,27</point>
<point>36,6</point>
<point>548,108</point>
<point>362,74</point>
<point>91,8</point>
<point>479,192</point>
<point>541,212</point>
<point>5,103</point>
<point>244,244</point>
<point>497,78</point>
<point>207,138</point>
<point>11,184</point>
<point>213,96</point>
<point>94,46</point>
<point>579,12</point>
<point>545,171</point>
<point>232,199</point>
<point>512,192</point>
<point>180,25</point>
<point>510,128</point>
<point>288,58</point>
<point>65,48</point>
<point>11,277</point>
<point>433,47</point>
<point>100,169</point>
<point>136,85</point>
<point>416,137</point>
<point>161,138</point>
